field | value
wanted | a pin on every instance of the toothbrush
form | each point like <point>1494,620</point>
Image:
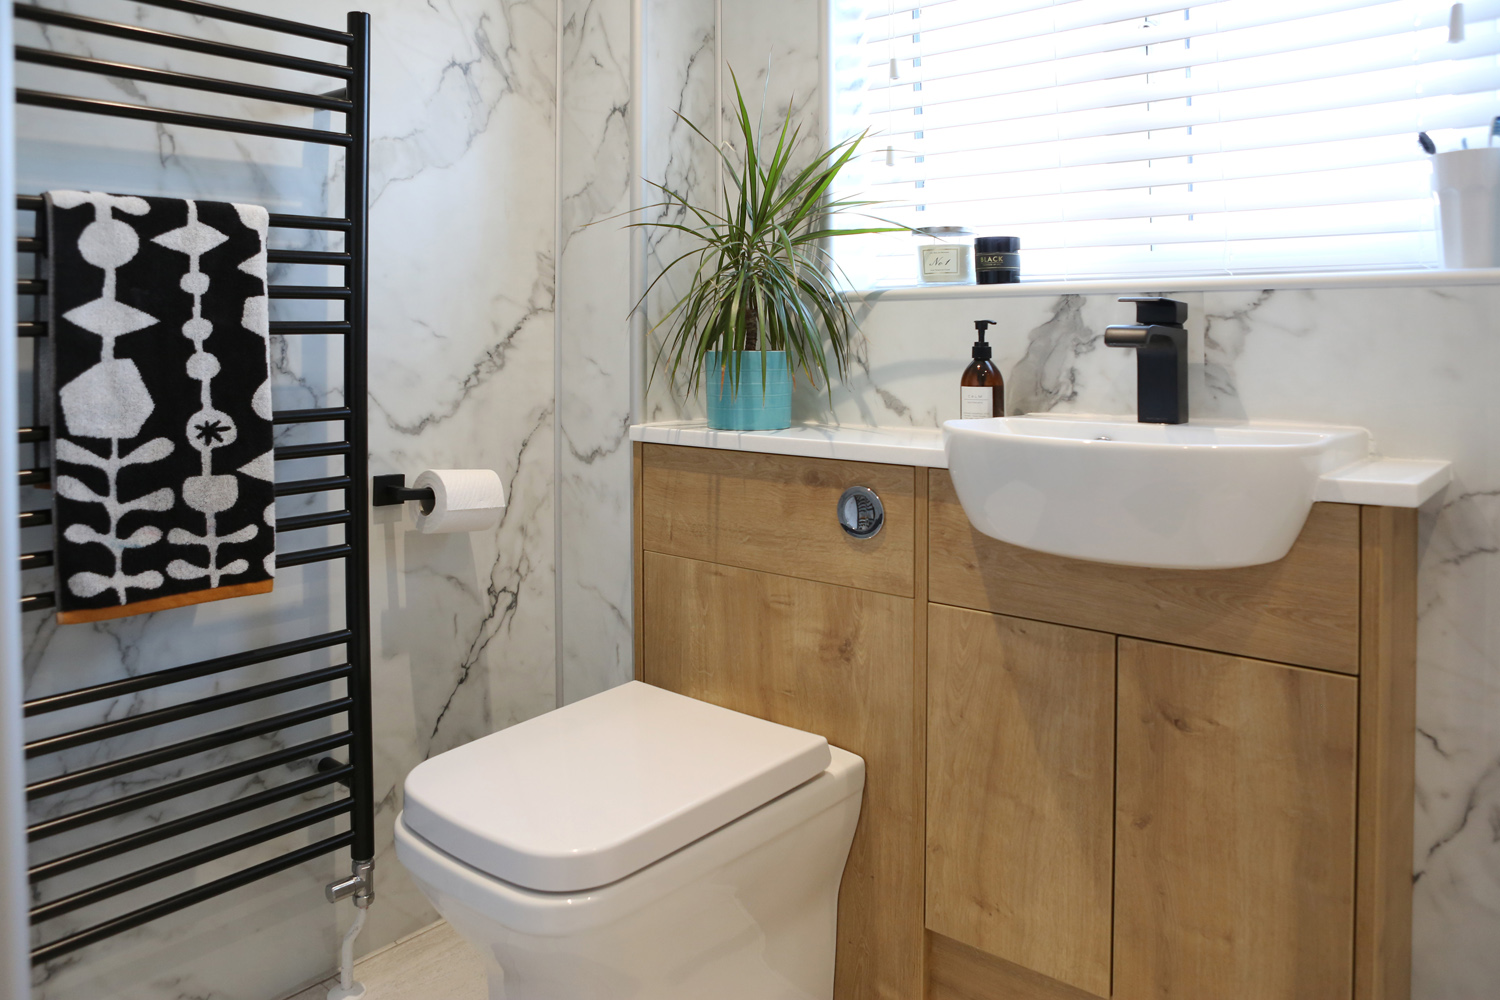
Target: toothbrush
<point>1494,130</point>
<point>1425,141</point>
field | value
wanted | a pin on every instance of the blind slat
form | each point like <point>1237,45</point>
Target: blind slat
<point>1265,225</point>
<point>1402,118</point>
<point>1392,181</point>
<point>1145,172</point>
<point>1172,111</point>
<point>1118,24</point>
<point>1119,78</point>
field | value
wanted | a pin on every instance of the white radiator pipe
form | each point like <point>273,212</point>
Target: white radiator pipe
<point>348,989</point>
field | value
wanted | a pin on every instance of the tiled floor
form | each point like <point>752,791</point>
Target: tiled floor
<point>432,964</point>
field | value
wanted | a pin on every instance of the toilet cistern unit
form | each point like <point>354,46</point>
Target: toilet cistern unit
<point>639,845</point>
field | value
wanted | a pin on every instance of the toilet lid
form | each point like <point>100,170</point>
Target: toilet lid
<point>594,791</point>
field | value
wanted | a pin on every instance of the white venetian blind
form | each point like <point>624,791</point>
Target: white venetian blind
<point>1119,138</point>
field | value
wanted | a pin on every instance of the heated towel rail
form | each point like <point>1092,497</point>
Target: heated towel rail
<point>351,740</point>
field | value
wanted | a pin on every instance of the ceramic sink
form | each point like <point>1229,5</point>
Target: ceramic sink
<point>1184,496</point>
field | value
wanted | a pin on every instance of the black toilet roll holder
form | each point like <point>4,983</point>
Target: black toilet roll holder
<point>388,491</point>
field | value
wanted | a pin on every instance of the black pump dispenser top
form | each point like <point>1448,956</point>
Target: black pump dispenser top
<point>982,350</point>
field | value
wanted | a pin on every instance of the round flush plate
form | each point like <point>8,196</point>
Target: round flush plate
<point>861,514</point>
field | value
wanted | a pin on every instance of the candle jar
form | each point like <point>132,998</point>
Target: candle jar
<point>997,260</point>
<point>944,255</point>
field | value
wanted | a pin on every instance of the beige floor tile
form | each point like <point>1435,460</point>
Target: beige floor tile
<point>318,992</point>
<point>432,964</point>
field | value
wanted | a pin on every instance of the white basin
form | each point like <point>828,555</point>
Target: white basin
<point>1185,496</point>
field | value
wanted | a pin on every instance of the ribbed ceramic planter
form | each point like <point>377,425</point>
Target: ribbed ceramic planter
<point>753,405</point>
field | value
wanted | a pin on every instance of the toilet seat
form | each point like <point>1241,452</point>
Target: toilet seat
<point>598,790</point>
<point>560,914</point>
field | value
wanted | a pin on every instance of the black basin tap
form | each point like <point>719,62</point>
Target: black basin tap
<point>1161,349</point>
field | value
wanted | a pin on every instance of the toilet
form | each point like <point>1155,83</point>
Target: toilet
<point>639,845</point>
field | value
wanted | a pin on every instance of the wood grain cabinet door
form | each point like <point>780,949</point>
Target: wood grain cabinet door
<point>1235,828</point>
<point>1020,791</point>
<point>833,661</point>
<point>1302,609</point>
<point>777,514</point>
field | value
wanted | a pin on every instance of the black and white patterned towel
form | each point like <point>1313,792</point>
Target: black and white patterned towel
<point>162,433</point>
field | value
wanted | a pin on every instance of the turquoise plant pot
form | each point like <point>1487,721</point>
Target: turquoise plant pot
<point>753,405</point>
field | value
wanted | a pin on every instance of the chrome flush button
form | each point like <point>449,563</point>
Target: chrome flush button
<point>861,513</point>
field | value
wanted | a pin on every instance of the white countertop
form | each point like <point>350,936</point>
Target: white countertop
<point>1386,482</point>
<point>919,446</point>
<point>1381,482</point>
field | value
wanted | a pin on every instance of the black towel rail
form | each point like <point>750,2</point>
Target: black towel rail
<point>140,112</point>
<point>284,327</point>
<point>236,807</point>
<point>186,862</point>
<point>310,292</point>
<point>63,60</point>
<point>301,522</point>
<point>186,748</point>
<point>136,33</point>
<point>347,645</point>
<point>324,415</point>
<point>38,602</point>
<point>176,713</point>
<point>182,900</point>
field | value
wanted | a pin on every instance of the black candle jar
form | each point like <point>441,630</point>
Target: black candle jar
<point>997,260</point>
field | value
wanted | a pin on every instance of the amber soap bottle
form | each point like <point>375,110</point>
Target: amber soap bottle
<point>982,390</point>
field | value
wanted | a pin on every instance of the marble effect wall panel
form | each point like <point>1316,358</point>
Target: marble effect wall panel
<point>462,353</point>
<point>594,331</point>
<point>772,48</point>
<point>681,79</point>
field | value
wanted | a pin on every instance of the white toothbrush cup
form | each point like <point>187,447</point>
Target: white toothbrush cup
<point>1467,183</point>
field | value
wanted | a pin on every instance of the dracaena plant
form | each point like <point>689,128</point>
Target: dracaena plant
<point>761,276</point>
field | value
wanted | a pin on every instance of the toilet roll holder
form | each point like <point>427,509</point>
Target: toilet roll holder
<point>388,491</point>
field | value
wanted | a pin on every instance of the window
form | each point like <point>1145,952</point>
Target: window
<point>1123,138</point>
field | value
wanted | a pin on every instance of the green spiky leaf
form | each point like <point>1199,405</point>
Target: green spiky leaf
<point>760,277</point>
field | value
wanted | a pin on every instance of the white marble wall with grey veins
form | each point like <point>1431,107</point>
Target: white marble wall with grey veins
<point>772,50</point>
<point>681,81</point>
<point>461,374</point>
<point>1418,367</point>
<point>593,304</point>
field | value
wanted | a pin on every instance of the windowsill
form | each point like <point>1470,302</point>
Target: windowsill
<point>1427,278</point>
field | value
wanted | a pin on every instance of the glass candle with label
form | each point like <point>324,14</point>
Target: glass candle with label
<point>945,255</point>
<point>997,260</point>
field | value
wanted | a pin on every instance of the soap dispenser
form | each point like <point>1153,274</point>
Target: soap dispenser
<point>982,390</point>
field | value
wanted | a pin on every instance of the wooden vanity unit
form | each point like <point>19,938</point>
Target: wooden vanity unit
<point>1084,780</point>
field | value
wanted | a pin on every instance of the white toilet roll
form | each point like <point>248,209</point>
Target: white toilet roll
<point>466,500</point>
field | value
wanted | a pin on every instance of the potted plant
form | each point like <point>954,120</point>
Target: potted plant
<point>762,299</point>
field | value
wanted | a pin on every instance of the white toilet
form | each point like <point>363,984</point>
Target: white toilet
<point>639,845</point>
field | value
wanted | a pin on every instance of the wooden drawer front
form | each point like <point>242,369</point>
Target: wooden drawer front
<point>1303,609</point>
<point>1020,791</point>
<point>833,661</point>
<point>1234,857</point>
<point>777,514</point>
